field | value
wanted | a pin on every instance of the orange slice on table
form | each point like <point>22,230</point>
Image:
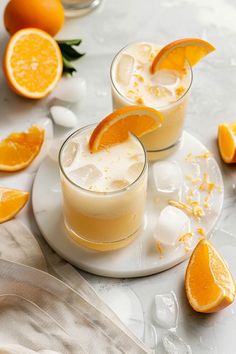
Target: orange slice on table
<point>227,141</point>
<point>11,202</point>
<point>115,128</point>
<point>18,150</point>
<point>208,282</point>
<point>32,63</point>
<point>175,54</point>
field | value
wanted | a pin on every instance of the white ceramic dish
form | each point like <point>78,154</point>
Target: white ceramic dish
<point>140,258</point>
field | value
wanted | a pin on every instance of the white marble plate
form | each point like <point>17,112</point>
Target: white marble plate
<point>140,258</point>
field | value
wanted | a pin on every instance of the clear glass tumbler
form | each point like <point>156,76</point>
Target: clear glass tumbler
<point>164,140</point>
<point>102,220</point>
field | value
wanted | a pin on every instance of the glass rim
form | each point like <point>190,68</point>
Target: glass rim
<point>104,193</point>
<point>130,101</point>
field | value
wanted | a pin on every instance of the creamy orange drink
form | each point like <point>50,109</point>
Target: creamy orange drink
<point>140,76</point>
<point>104,193</point>
<point>104,178</point>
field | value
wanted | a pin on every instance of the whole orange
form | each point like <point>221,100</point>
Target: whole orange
<point>47,15</point>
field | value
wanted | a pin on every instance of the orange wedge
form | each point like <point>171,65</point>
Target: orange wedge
<point>18,150</point>
<point>11,202</point>
<point>227,141</point>
<point>175,54</point>
<point>208,282</point>
<point>32,63</point>
<point>115,128</point>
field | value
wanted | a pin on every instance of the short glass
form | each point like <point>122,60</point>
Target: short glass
<point>165,140</point>
<point>102,221</point>
<point>79,7</point>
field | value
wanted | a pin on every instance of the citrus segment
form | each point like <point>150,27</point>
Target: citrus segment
<point>209,284</point>
<point>11,202</point>
<point>227,141</point>
<point>32,63</point>
<point>175,54</point>
<point>18,150</point>
<point>115,128</point>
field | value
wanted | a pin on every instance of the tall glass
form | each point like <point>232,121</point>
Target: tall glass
<point>164,140</point>
<point>102,220</point>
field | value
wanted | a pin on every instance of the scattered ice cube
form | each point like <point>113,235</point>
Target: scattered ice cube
<point>166,309</point>
<point>172,344</point>
<point>143,52</point>
<point>71,89</point>
<point>171,224</point>
<point>63,116</point>
<point>69,153</point>
<point>125,68</point>
<point>86,175</point>
<point>119,184</point>
<point>134,170</point>
<point>168,178</point>
<point>126,305</point>
<point>166,78</point>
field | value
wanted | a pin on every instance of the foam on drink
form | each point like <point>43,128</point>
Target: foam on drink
<point>104,171</point>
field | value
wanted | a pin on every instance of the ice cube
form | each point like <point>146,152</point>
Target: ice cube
<point>168,178</point>
<point>71,89</point>
<point>166,78</point>
<point>143,52</point>
<point>125,68</point>
<point>119,184</point>
<point>63,116</point>
<point>166,309</point>
<point>86,175</point>
<point>135,170</point>
<point>126,305</point>
<point>136,157</point>
<point>69,153</point>
<point>172,344</point>
<point>171,224</point>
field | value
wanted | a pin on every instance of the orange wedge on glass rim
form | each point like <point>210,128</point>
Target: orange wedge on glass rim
<point>11,202</point>
<point>18,150</point>
<point>115,128</point>
<point>175,54</point>
<point>227,141</point>
<point>32,63</point>
<point>209,284</point>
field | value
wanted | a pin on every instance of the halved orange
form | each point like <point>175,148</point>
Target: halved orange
<point>32,63</point>
<point>115,128</point>
<point>208,282</point>
<point>11,202</point>
<point>18,150</point>
<point>227,141</point>
<point>175,54</point>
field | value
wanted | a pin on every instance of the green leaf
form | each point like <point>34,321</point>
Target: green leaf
<point>67,67</point>
<point>69,52</point>
<point>70,42</point>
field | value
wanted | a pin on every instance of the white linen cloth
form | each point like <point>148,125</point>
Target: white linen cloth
<point>41,314</point>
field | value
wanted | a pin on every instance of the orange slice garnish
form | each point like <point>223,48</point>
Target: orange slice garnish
<point>18,150</point>
<point>32,63</point>
<point>115,128</point>
<point>227,141</point>
<point>209,284</point>
<point>11,202</point>
<point>175,54</point>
